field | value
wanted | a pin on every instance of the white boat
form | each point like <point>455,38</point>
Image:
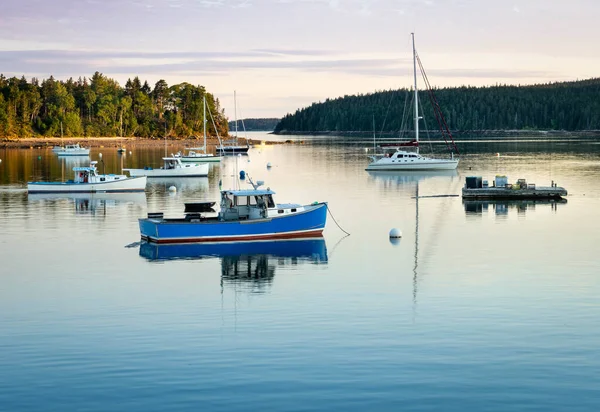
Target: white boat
<point>72,150</point>
<point>403,159</point>
<point>233,148</point>
<point>172,168</point>
<point>87,180</point>
<point>198,154</point>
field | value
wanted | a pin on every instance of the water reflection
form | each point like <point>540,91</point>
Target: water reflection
<point>403,177</point>
<point>195,184</point>
<point>251,264</point>
<point>89,203</point>
<point>502,207</point>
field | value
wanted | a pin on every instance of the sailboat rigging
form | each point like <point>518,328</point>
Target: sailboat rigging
<point>412,160</point>
<point>199,154</point>
<point>234,147</point>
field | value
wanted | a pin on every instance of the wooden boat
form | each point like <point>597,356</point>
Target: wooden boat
<point>245,215</point>
<point>172,167</point>
<point>87,180</point>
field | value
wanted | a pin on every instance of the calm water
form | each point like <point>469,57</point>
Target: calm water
<point>479,307</point>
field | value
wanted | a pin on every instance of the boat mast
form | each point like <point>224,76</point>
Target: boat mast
<point>205,123</point>
<point>416,91</point>
<point>374,144</point>
<point>235,116</point>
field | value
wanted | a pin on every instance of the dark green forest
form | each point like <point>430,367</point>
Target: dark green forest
<point>569,106</point>
<point>98,106</point>
<point>265,124</point>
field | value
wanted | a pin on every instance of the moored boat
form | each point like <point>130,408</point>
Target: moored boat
<point>72,150</point>
<point>406,160</point>
<point>172,167</point>
<point>87,180</point>
<point>199,154</point>
<point>244,215</point>
<point>477,188</point>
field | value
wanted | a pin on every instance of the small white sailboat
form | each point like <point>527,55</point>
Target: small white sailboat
<point>233,147</point>
<point>198,154</point>
<point>407,160</point>
<point>87,180</point>
<point>172,167</point>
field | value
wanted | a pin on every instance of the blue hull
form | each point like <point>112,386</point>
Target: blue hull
<point>308,223</point>
<point>312,249</point>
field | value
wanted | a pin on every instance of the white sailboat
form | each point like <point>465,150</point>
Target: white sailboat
<point>198,154</point>
<point>411,160</point>
<point>233,147</point>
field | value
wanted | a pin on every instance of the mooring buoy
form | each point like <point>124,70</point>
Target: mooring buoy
<point>395,234</point>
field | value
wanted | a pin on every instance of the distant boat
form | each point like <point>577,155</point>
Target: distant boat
<point>71,150</point>
<point>87,180</point>
<point>233,147</point>
<point>198,154</point>
<point>172,167</point>
<point>245,215</point>
<point>404,160</point>
<point>122,150</point>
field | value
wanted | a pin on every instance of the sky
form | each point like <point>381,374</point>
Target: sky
<point>281,55</point>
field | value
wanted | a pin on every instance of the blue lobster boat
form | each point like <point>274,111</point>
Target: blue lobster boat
<point>245,215</point>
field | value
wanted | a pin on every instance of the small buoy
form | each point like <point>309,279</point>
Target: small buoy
<point>99,154</point>
<point>239,155</point>
<point>172,189</point>
<point>497,154</point>
<point>395,234</point>
<point>269,165</point>
<point>130,152</point>
<point>0,160</point>
<point>39,157</point>
<point>242,175</point>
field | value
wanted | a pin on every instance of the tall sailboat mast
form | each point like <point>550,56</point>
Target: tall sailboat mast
<point>235,115</point>
<point>416,91</point>
<point>204,123</point>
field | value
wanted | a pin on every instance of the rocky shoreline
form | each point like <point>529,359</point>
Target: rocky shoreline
<point>48,142</point>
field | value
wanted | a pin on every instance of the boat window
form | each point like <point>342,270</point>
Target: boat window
<point>270,202</point>
<point>229,199</point>
<point>242,200</point>
<point>293,210</point>
<point>252,201</point>
<point>102,179</point>
<point>280,211</point>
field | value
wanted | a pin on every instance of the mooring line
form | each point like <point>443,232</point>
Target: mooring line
<point>338,225</point>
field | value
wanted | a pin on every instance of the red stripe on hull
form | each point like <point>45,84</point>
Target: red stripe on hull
<point>316,233</point>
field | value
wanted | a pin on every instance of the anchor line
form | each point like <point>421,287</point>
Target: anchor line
<point>338,225</point>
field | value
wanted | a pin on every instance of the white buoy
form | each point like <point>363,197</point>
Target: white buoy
<point>99,154</point>
<point>239,155</point>
<point>497,154</point>
<point>0,160</point>
<point>172,189</point>
<point>130,152</point>
<point>269,165</point>
<point>395,234</point>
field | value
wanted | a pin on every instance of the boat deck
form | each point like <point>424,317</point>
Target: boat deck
<point>502,193</point>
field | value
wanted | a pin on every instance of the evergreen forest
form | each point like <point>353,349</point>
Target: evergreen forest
<point>250,125</point>
<point>98,106</point>
<point>568,106</point>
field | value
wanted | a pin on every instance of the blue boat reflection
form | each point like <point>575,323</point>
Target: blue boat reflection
<point>251,265</point>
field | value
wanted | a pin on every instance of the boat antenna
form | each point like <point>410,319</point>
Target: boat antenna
<point>235,115</point>
<point>204,99</point>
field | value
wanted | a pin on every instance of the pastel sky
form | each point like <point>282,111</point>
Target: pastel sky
<point>284,54</point>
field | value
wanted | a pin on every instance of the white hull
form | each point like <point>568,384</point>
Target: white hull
<point>80,152</point>
<point>189,170</point>
<point>200,159</point>
<point>426,164</point>
<point>137,184</point>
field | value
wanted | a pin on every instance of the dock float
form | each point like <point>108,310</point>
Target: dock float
<point>478,189</point>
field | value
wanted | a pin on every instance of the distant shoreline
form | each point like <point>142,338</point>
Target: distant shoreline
<point>468,134</point>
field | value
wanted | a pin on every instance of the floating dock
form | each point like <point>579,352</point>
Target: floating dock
<point>478,189</point>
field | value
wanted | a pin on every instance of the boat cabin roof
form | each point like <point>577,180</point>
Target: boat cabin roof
<point>251,192</point>
<point>91,167</point>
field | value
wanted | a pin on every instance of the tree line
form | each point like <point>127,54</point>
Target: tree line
<point>99,106</point>
<point>250,125</point>
<point>569,106</point>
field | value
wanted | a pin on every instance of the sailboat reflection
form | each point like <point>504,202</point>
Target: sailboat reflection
<point>408,179</point>
<point>502,207</point>
<point>195,184</point>
<point>91,203</point>
<point>244,262</point>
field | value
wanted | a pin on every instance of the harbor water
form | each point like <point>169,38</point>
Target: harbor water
<point>489,306</point>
